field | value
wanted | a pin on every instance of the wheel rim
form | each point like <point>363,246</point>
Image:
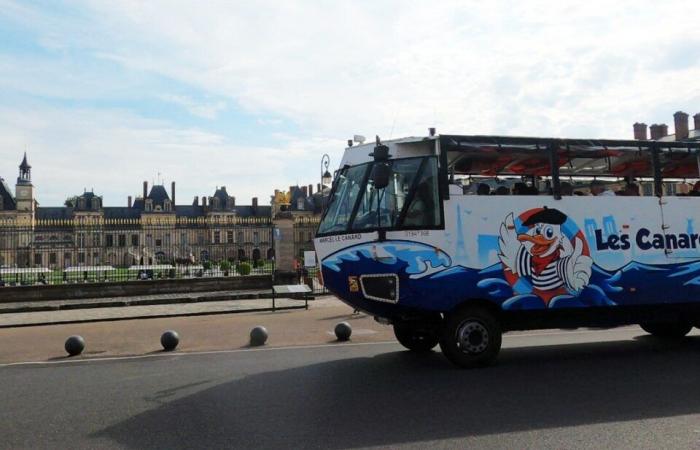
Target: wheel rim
<point>472,337</point>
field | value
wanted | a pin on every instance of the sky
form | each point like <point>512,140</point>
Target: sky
<point>250,95</point>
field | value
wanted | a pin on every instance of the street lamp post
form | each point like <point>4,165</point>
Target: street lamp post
<point>326,177</point>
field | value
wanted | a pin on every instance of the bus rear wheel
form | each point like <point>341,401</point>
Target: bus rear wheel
<point>471,337</point>
<point>667,329</point>
<point>418,336</point>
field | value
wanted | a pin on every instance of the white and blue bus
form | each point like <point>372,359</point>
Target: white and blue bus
<point>404,239</point>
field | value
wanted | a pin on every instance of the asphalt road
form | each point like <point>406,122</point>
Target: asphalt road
<point>583,389</point>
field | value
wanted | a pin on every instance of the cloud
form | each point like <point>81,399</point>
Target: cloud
<point>207,110</point>
<point>325,70</point>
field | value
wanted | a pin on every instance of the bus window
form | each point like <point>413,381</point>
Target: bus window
<point>344,197</point>
<point>424,210</point>
<point>412,180</point>
<point>388,201</point>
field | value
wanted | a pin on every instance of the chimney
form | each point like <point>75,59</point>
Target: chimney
<point>311,190</point>
<point>349,142</point>
<point>640,131</point>
<point>129,201</point>
<point>233,201</point>
<point>172,192</point>
<point>305,191</point>
<point>657,131</point>
<point>196,201</point>
<point>145,189</point>
<point>255,202</point>
<point>696,119</point>
<point>431,131</point>
<point>318,187</point>
<point>680,121</point>
<point>204,201</point>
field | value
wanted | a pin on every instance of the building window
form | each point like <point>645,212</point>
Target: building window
<point>149,240</point>
<point>96,239</point>
<point>122,240</point>
<point>256,238</point>
<point>239,237</point>
<point>109,240</point>
<point>80,240</point>
<point>159,242</point>
<point>95,258</point>
<point>217,237</point>
<point>52,258</point>
<point>200,238</point>
<point>183,239</point>
<point>81,258</point>
<point>37,259</point>
<point>67,258</point>
<point>134,240</point>
<point>229,237</point>
<point>167,240</point>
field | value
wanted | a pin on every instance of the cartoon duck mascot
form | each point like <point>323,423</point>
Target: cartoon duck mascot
<point>544,255</point>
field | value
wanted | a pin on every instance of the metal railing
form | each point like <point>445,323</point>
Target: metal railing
<point>105,250</point>
<point>304,233</point>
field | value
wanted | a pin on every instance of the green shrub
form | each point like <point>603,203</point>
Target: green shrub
<point>244,268</point>
<point>206,265</point>
<point>259,263</point>
<point>225,266</point>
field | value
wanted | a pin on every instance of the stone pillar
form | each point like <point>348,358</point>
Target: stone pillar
<point>284,243</point>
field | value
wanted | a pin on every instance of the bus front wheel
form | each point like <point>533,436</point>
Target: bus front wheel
<point>419,337</point>
<point>471,337</point>
<point>667,329</point>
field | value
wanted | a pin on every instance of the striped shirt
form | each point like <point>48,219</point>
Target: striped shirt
<point>552,277</point>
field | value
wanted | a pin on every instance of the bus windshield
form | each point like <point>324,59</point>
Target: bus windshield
<point>409,201</point>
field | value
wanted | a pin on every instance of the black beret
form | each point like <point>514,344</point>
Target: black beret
<point>547,215</point>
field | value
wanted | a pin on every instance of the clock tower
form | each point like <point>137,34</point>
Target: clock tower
<point>24,190</point>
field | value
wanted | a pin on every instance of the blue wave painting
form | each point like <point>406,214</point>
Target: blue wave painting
<point>429,281</point>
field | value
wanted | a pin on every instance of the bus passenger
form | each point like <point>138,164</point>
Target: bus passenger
<point>566,189</point>
<point>483,189</point>
<point>520,189</point>
<point>696,190</point>
<point>598,188</point>
<point>632,190</point>
<point>502,190</point>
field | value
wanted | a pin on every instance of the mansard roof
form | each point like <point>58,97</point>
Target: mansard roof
<point>158,194</point>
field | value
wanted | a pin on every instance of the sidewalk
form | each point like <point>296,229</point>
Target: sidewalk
<point>217,330</point>
<point>153,299</point>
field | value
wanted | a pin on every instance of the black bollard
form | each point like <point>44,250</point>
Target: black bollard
<point>258,336</point>
<point>75,345</point>
<point>169,340</point>
<point>343,331</point>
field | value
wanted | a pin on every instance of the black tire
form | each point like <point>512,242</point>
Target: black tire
<point>471,337</point>
<point>419,337</point>
<point>668,330</point>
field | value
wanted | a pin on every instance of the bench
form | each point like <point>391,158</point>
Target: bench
<point>289,291</point>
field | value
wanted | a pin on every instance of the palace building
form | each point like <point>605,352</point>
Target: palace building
<point>151,229</point>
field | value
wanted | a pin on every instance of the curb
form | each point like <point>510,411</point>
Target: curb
<point>145,302</point>
<point>155,316</point>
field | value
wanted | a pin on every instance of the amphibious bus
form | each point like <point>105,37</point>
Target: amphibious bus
<point>405,239</point>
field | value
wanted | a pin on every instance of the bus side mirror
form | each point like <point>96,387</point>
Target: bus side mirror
<point>380,175</point>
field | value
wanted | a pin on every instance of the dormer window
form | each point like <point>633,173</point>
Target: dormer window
<point>149,205</point>
<point>167,205</point>
<point>300,203</point>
